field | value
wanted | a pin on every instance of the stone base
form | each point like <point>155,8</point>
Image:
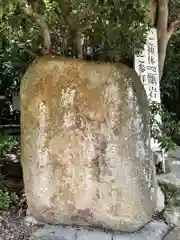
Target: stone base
<point>154,230</point>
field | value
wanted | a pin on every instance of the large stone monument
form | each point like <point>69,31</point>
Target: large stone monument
<point>85,144</point>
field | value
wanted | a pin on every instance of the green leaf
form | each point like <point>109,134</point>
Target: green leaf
<point>144,2</point>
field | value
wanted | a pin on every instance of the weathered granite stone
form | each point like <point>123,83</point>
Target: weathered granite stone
<point>160,200</point>
<point>152,231</point>
<point>54,233</point>
<point>174,234</point>
<point>85,144</point>
<point>169,181</point>
<point>84,234</point>
<point>172,216</point>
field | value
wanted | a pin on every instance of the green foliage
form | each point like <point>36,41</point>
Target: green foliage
<point>7,143</point>
<point>118,26</point>
<point>7,198</point>
<point>165,130</point>
<point>174,6</point>
<point>170,88</point>
<point>171,78</point>
<point>114,29</point>
<point>17,49</point>
<point>172,197</point>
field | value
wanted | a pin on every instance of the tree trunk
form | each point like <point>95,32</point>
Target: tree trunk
<point>158,16</point>
<point>162,32</point>
<point>162,48</point>
<point>78,44</point>
<point>43,25</point>
<point>75,37</point>
<point>73,27</point>
<point>151,12</point>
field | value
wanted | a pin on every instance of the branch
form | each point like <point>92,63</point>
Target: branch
<point>164,31</point>
<point>174,25</point>
<point>35,5</point>
<point>41,22</point>
<point>74,28</point>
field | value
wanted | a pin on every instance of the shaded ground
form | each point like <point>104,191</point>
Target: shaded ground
<point>12,226</point>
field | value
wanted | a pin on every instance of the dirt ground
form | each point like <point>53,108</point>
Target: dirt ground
<point>13,226</point>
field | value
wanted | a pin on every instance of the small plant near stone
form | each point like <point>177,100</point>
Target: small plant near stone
<point>164,132</point>
<point>172,197</point>
<point>7,143</point>
<point>7,198</point>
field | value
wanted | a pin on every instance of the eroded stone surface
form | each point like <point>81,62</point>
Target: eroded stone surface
<point>172,216</point>
<point>54,233</point>
<point>170,181</point>
<point>160,200</point>
<point>85,144</point>
<point>84,234</point>
<point>152,231</point>
<point>174,234</point>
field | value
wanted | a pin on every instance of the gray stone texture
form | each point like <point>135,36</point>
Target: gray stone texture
<point>152,231</point>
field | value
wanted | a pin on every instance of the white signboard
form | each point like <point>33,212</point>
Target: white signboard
<point>146,66</point>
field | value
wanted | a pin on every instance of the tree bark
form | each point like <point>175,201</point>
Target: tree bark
<point>75,39</point>
<point>162,49</point>
<point>74,28</point>
<point>163,33</point>
<point>151,12</point>
<point>43,25</point>
<point>165,30</point>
